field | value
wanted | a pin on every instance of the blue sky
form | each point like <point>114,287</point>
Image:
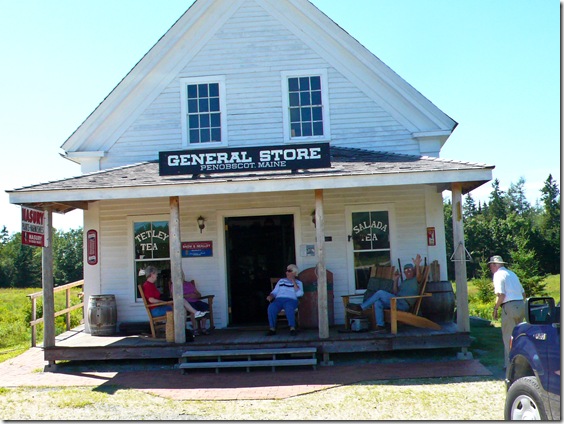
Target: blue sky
<point>492,66</point>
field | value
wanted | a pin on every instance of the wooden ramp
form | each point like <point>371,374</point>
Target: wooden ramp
<point>247,358</point>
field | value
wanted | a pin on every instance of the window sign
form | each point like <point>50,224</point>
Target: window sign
<point>151,242</point>
<point>371,243</point>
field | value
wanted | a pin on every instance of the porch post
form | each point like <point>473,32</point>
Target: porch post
<point>176,271</point>
<point>321,270</point>
<point>47,280</point>
<point>462,313</point>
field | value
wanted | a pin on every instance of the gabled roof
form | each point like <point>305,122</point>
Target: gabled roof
<point>349,168</point>
<point>203,19</point>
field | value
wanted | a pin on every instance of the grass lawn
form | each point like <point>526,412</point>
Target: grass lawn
<point>459,398</point>
<point>15,315</point>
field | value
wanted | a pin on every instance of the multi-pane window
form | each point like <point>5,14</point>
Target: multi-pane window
<point>203,113</point>
<point>306,106</point>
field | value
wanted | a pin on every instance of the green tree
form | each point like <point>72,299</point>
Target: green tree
<point>20,265</point>
<point>67,256</point>
<point>526,236</point>
<point>549,227</point>
<point>469,208</point>
<point>5,264</point>
<point>526,266</point>
<point>497,206</point>
<point>516,198</point>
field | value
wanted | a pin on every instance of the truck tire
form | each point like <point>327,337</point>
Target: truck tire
<point>524,402</point>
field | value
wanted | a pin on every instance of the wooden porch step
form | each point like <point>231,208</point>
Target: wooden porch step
<point>231,358</point>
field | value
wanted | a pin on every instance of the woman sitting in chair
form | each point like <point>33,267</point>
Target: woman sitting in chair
<point>192,296</point>
<point>153,295</point>
<point>285,296</point>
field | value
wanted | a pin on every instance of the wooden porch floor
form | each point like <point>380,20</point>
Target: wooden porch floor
<point>78,345</point>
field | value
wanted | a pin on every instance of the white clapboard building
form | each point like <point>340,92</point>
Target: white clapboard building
<point>254,134</point>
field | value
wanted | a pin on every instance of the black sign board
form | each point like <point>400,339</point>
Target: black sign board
<point>245,159</point>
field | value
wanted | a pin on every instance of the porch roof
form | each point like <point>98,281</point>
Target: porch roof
<point>349,168</point>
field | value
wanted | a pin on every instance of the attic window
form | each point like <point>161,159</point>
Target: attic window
<point>305,105</point>
<point>204,114</point>
<point>204,111</point>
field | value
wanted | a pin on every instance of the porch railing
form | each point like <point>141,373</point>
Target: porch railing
<point>66,311</point>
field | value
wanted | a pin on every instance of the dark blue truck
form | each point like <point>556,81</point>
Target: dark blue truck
<point>533,375</point>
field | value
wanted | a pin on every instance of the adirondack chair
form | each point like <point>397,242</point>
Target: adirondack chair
<point>381,272</point>
<point>204,298</point>
<point>158,324</point>
<point>282,313</point>
<point>411,317</point>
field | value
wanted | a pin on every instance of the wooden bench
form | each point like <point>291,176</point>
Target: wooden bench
<point>247,358</point>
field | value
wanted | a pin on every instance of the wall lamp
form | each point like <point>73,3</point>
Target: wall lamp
<point>201,223</point>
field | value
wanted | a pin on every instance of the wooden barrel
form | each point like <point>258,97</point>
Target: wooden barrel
<point>440,306</point>
<point>102,314</point>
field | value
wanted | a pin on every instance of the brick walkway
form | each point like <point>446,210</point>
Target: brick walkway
<point>28,370</point>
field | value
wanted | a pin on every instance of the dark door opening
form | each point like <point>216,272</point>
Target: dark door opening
<point>258,248</point>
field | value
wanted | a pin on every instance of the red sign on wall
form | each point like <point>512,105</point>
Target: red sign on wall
<point>431,241</point>
<point>92,247</point>
<point>33,227</point>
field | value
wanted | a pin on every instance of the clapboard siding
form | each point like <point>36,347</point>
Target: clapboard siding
<point>116,247</point>
<point>251,50</point>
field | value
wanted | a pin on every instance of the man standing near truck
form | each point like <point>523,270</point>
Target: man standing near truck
<point>510,298</point>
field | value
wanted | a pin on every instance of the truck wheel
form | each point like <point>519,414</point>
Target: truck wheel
<point>523,401</point>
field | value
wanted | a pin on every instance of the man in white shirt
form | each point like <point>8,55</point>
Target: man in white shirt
<point>285,296</point>
<point>510,298</point>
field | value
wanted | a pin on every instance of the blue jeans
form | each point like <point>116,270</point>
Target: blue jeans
<point>289,305</point>
<point>199,305</point>
<point>381,301</point>
<point>160,311</point>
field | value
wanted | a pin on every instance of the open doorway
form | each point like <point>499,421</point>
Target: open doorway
<point>257,248</point>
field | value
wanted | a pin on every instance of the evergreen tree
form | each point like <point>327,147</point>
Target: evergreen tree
<point>67,256</point>
<point>551,202</point>
<point>516,198</point>
<point>548,246</point>
<point>528,237</point>
<point>469,208</point>
<point>24,262</point>
<point>20,265</point>
<point>497,206</point>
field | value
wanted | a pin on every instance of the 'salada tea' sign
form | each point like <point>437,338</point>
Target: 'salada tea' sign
<point>302,156</point>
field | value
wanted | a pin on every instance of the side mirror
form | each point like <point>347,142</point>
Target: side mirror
<point>540,310</point>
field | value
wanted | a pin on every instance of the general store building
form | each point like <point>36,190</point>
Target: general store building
<point>348,174</point>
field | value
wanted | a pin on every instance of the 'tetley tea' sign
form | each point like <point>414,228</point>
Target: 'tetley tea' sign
<point>146,239</point>
<point>302,156</point>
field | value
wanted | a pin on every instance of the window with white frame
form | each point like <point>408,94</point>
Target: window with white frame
<point>305,105</point>
<point>203,106</point>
